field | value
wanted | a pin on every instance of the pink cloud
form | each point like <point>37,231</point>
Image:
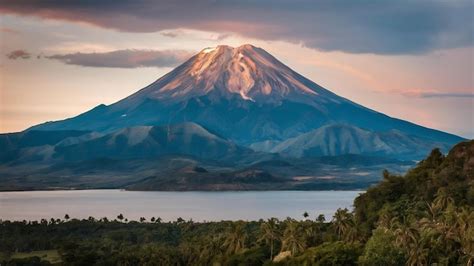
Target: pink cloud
<point>18,54</point>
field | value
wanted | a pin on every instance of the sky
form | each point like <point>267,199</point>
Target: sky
<point>412,60</point>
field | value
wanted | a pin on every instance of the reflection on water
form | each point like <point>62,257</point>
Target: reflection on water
<point>198,206</point>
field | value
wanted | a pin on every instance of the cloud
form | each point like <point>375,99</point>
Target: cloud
<point>18,54</point>
<point>427,94</point>
<point>368,26</point>
<point>171,34</point>
<point>125,58</point>
<point>446,95</point>
<point>8,30</point>
<point>223,36</point>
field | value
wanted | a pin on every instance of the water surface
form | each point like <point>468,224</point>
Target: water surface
<point>198,206</point>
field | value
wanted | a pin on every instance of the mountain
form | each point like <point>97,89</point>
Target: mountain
<point>339,139</point>
<point>227,118</point>
<point>136,142</point>
<point>152,141</point>
<point>183,156</point>
<point>33,143</point>
<point>244,94</point>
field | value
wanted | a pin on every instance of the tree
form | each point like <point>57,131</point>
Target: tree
<point>269,233</point>
<point>211,248</point>
<point>120,217</point>
<point>293,238</point>
<point>442,199</point>
<point>321,218</point>
<point>235,238</point>
<point>408,237</point>
<point>380,249</point>
<point>342,222</point>
<point>331,253</point>
<point>464,233</point>
<point>305,215</point>
<point>66,217</point>
<point>312,234</point>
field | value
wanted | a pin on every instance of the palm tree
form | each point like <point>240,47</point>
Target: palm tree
<point>403,235</point>
<point>293,238</point>
<point>464,225</point>
<point>312,234</point>
<point>321,219</point>
<point>415,244</point>
<point>386,221</point>
<point>305,215</point>
<point>442,199</point>
<point>342,221</point>
<point>212,248</point>
<point>418,253</point>
<point>270,233</point>
<point>434,210</point>
<point>235,239</point>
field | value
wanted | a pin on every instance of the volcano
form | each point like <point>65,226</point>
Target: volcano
<point>244,94</point>
<point>224,102</point>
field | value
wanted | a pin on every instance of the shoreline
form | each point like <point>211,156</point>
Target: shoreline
<point>122,189</point>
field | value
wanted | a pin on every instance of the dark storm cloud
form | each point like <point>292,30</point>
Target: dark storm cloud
<point>125,58</point>
<point>18,54</point>
<point>382,27</point>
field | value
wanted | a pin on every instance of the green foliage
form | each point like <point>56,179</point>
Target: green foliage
<point>381,250</point>
<point>255,256</point>
<point>331,253</point>
<point>406,196</point>
<point>425,217</point>
<point>29,261</point>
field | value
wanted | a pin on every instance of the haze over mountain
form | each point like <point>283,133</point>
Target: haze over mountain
<point>218,106</point>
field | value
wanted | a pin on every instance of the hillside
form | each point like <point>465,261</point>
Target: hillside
<point>425,217</point>
<point>436,179</point>
<point>229,111</point>
<point>339,139</point>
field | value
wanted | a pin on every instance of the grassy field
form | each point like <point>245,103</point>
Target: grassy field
<point>49,255</point>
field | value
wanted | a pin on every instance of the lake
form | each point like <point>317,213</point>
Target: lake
<point>198,206</point>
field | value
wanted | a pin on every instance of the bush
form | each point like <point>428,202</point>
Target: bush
<point>331,253</point>
<point>380,250</point>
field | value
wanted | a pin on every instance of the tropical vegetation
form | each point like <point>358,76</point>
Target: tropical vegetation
<point>425,217</point>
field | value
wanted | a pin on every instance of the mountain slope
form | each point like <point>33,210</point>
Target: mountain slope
<point>14,146</point>
<point>244,94</point>
<point>151,141</point>
<point>134,143</point>
<point>339,139</point>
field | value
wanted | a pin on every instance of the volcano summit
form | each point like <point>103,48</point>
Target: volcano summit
<point>240,103</point>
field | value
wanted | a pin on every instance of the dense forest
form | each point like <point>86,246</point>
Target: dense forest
<point>425,217</point>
